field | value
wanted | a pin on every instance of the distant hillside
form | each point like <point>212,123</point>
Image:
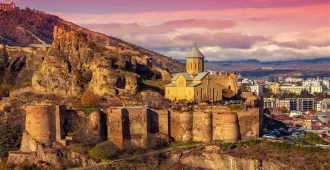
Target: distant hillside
<point>19,27</point>
<point>23,27</point>
<point>255,61</point>
<point>317,64</point>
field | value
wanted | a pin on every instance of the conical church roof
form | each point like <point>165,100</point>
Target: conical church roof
<point>195,53</point>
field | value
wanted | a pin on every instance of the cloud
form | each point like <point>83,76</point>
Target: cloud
<point>199,23</point>
<point>268,53</point>
<point>317,37</point>
<point>225,40</point>
<point>251,33</point>
<point>306,13</point>
<point>299,44</point>
<point>257,19</point>
<point>121,29</point>
<point>203,39</point>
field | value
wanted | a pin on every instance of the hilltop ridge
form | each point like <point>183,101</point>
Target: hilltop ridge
<point>72,62</point>
<point>23,27</point>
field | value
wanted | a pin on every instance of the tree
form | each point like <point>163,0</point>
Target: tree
<point>312,111</point>
<point>245,87</point>
<point>284,109</point>
<point>305,94</point>
<point>11,136</point>
<point>267,92</point>
<point>4,57</point>
<point>286,94</point>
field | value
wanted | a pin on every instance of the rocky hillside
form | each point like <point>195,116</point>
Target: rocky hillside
<point>25,27</point>
<point>21,27</point>
<point>245,155</point>
<point>76,62</point>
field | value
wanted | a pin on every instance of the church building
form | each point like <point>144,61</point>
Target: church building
<point>195,84</point>
<point>7,6</point>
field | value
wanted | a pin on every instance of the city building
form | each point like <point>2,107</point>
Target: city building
<point>301,104</point>
<point>295,113</point>
<point>267,68</point>
<point>275,88</point>
<point>269,103</point>
<point>283,103</point>
<point>318,106</point>
<point>316,89</point>
<point>311,83</point>
<point>7,6</point>
<point>257,89</point>
<point>247,81</point>
<point>194,84</point>
<point>315,85</point>
<point>325,105</point>
<point>280,79</point>
<point>294,89</point>
<point>293,80</point>
<point>326,84</point>
<point>327,92</point>
<point>212,72</point>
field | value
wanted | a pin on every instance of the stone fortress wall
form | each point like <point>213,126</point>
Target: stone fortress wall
<point>135,125</point>
<point>45,123</point>
<point>228,81</point>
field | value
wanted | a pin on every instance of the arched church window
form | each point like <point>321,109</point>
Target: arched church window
<point>195,66</point>
<point>191,67</point>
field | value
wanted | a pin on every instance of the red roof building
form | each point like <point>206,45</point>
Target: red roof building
<point>8,6</point>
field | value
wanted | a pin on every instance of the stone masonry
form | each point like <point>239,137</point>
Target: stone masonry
<point>134,126</point>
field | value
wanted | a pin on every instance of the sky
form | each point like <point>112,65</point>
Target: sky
<point>266,30</point>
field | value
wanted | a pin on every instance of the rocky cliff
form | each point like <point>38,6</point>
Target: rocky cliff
<point>23,27</point>
<point>77,61</point>
<point>75,64</point>
<point>199,157</point>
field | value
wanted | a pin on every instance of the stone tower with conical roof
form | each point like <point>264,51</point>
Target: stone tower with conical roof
<point>195,61</point>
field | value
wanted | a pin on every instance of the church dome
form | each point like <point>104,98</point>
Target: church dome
<point>195,53</point>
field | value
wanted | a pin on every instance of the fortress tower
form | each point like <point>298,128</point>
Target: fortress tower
<point>7,6</point>
<point>195,61</point>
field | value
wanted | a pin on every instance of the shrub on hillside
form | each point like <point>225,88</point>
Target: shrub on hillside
<point>10,138</point>
<point>90,99</point>
<point>314,138</point>
<point>80,134</point>
<point>104,151</point>
<point>88,109</point>
<point>310,138</point>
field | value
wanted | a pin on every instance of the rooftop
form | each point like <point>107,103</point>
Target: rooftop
<point>195,53</point>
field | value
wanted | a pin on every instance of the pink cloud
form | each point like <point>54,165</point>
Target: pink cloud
<point>298,44</point>
<point>225,40</point>
<point>305,13</point>
<point>199,23</point>
<point>222,39</point>
<point>318,37</point>
<point>257,19</point>
<point>262,33</point>
<point>120,29</point>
